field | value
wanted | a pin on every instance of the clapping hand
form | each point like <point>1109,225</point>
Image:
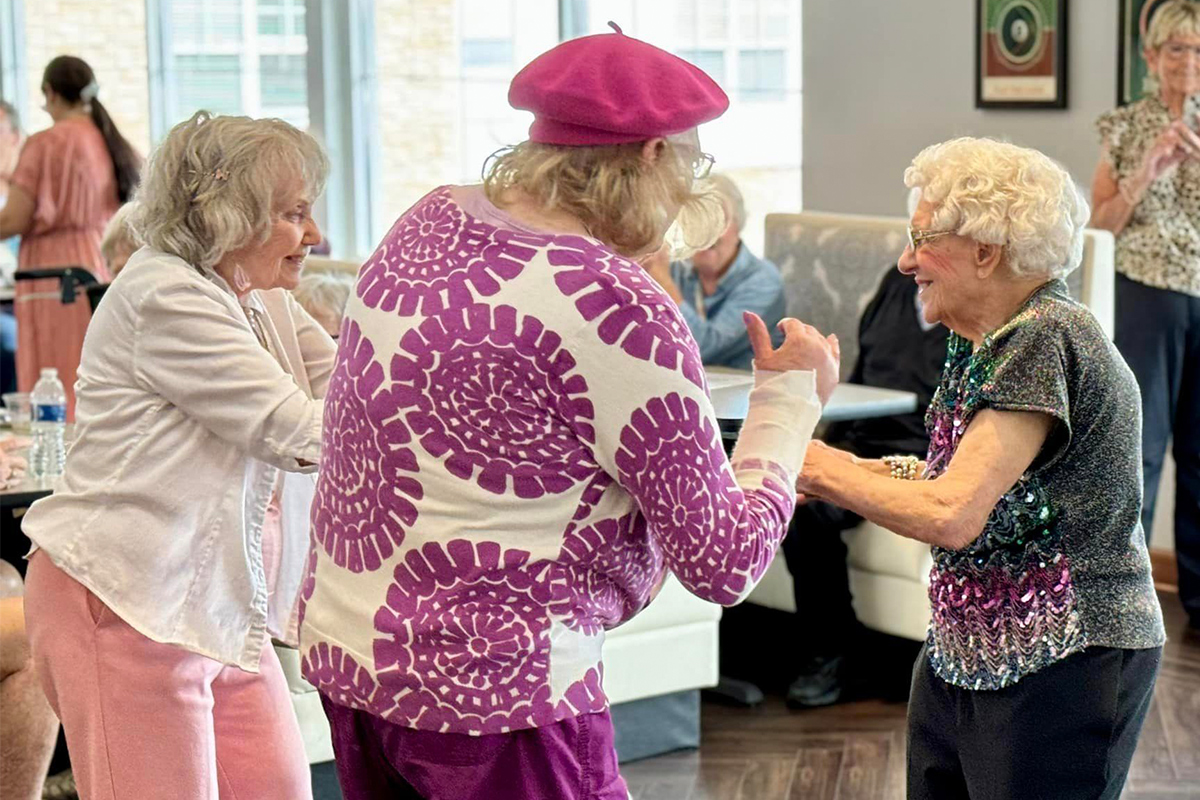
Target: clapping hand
<point>803,348</point>
<point>1176,143</point>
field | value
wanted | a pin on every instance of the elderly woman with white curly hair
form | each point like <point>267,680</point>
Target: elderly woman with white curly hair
<point>1046,632</point>
<point>162,564</point>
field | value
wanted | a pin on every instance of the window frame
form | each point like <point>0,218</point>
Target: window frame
<point>340,53</point>
<point>12,56</point>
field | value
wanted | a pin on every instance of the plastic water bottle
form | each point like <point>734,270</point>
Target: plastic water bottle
<point>48,453</point>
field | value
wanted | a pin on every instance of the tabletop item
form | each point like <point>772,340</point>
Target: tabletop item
<point>17,404</point>
<point>48,452</point>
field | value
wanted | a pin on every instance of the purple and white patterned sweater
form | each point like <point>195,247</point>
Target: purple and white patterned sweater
<point>518,442</point>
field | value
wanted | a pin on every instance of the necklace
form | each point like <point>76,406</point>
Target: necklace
<point>254,316</point>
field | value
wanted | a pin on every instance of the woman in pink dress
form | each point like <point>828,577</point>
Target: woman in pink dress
<point>69,181</point>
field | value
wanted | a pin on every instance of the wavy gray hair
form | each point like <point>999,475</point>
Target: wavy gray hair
<point>214,184</point>
<point>324,293</point>
<point>999,193</point>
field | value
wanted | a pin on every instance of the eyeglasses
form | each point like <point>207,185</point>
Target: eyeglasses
<point>917,237</point>
<point>1175,51</point>
<point>702,165</point>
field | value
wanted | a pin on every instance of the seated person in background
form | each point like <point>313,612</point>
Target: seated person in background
<point>120,241</point>
<point>897,350</point>
<point>28,727</point>
<point>717,285</point>
<point>323,295</point>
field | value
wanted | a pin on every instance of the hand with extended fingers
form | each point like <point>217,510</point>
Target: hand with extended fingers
<point>803,348</point>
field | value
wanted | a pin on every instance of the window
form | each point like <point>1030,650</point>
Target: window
<point>442,72</point>
<point>281,17</point>
<point>762,74</point>
<point>711,61</point>
<point>752,49</point>
<point>486,53</point>
<point>232,57</point>
<point>208,81</point>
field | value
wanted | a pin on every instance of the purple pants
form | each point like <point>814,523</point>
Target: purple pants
<point>378,760</point>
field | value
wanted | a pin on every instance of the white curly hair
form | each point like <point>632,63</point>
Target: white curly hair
<point>999,193</point>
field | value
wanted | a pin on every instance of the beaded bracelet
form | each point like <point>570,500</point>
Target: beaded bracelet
<point>904,468</point>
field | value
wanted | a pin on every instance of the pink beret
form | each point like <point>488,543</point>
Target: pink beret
<point>610,89</point>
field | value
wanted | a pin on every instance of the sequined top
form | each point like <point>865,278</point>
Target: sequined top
<point>1160,245</point>
<point>1062,563</point>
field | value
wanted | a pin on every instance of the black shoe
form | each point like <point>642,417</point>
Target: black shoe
<point>820,683</point>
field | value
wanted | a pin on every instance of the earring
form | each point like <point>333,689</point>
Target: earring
<point>241,281</point>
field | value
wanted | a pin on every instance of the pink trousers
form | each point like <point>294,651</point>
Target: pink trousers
<point>146,720</point>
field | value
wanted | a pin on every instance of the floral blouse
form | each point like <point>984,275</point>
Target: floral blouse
<point>1160,246</point>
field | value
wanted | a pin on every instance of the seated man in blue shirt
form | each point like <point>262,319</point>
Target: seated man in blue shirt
<point>717,285</point>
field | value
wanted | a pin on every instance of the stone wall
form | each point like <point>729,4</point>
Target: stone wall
<point>111,36</point>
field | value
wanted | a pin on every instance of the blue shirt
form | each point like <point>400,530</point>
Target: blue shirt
<point>750,284</point>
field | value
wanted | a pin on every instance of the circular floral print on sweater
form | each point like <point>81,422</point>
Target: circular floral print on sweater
<point>465,632</point>
<point>367,486</point>
<point>338,676</point>
<point>609,568</point>
<point>498,396</point>
<point>436,255</point>
<point>672,459</point>
<point>634,312</point>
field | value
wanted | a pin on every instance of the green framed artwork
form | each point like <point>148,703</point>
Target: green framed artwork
<point>1021,54</point>
<point>1131,66</point>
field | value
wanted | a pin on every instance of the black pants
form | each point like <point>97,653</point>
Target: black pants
<point>816,557</point>
<point>1158,333</point>
<point>1066,732</point>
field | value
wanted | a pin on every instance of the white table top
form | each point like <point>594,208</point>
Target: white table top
<point>730,393</point>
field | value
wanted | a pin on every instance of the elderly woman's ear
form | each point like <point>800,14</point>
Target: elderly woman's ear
<point>988,258</point>
<point>653,149</point>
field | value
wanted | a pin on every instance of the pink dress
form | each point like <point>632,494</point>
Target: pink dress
<point>69,174</point>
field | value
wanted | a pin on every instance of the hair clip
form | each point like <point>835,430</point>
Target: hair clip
<point>220,174</point>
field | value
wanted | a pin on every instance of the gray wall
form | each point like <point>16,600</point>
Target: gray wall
<point>882,79</point>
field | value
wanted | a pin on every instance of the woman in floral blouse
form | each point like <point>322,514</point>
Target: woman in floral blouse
<point>1147,191</point>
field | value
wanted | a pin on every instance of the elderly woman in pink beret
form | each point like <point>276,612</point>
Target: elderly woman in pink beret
<point>519,444</point>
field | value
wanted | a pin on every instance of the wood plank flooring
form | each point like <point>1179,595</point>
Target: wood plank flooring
<point>856,750</point>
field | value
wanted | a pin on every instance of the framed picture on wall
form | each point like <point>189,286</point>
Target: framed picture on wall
<point>1020,53</point>
<point>1131,66</point>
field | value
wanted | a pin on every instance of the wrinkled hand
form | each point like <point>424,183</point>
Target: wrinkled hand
<point>816,459</point>
<point>803,348</point>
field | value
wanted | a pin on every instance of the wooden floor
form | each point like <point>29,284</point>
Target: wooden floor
<point>856,750</point>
